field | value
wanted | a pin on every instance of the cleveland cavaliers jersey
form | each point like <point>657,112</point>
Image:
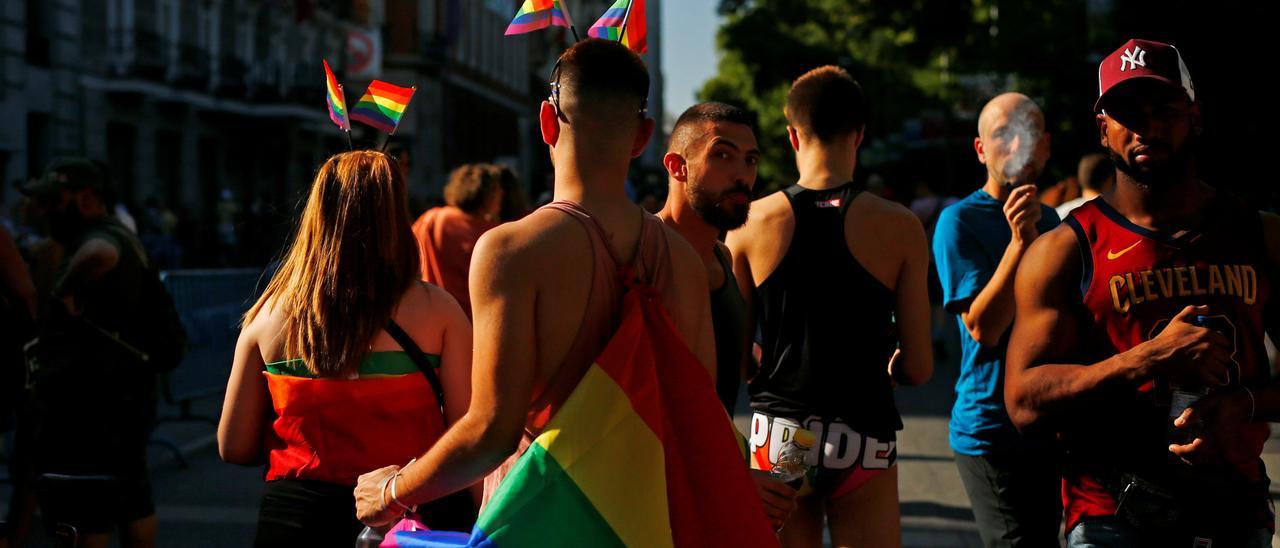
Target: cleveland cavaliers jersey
<point>1134,282</point>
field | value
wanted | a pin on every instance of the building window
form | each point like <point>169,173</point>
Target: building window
<point>204,26</point>
<point>38,31</point>
<point>166,16</point>
<point>168,165</point>
<point>121,139</point>
<point>39,142</point>
<point>244,37</point>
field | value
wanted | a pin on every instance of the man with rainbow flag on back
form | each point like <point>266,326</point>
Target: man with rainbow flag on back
<point>595,357</point>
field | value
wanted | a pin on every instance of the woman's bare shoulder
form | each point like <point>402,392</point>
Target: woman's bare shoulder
<point>429,309</point>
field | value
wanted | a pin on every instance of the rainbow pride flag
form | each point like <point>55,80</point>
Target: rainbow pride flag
<point>337,101</point>
<point>382,105</point>
<point>537,15</point>
<point>624,13</point>
<point>640,454</point>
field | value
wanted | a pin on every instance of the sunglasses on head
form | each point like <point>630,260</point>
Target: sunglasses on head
<point>554,98</point>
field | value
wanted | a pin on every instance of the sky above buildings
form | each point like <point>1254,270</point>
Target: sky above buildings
<point>688,50</point>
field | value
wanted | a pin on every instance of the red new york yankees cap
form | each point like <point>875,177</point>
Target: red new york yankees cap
<point>1143,59</point>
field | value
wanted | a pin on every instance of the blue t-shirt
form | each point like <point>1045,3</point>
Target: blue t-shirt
<point>968,243</point>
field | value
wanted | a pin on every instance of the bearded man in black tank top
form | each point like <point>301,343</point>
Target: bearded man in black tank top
<point>711,166</point>
<point>827,269</point>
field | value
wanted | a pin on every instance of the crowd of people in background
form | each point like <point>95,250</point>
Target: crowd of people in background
<point>1113,381</point>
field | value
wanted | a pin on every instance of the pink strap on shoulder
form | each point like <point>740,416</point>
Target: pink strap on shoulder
<point>599,235</point>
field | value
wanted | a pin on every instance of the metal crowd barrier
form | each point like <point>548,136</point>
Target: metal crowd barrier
<point>210,304</point>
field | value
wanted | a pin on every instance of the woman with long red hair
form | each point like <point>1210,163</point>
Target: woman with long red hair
<point>341,361</point>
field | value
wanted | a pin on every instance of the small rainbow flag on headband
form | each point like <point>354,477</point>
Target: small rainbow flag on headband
<point>639,454</point>
<point>337,101</point>
<point>537,15</point>
<point>382,105</point>
<point>624,21</point>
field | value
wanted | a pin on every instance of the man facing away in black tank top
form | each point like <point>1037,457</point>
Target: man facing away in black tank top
<point>826,269</point>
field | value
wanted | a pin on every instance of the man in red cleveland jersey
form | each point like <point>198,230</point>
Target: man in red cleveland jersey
<point>1139,332</point>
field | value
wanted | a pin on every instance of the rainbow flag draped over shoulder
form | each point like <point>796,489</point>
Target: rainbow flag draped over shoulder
<point>624,13</point>
<point>536,15</point>
<point>382,105</point>
<point>337,101</point>
<point>641,453</point>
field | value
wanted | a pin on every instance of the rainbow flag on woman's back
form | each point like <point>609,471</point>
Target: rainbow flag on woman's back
<point>640,454</point>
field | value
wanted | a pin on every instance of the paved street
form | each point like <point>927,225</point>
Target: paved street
<point>213,504</point>
<point>207,504</point>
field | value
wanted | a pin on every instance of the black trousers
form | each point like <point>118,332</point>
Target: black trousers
<point>1016,497</point>
<point>298,512</point>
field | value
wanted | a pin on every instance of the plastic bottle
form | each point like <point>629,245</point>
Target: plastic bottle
<point>369,538</point>
<point>791,468</point>
<point>1183,396</point>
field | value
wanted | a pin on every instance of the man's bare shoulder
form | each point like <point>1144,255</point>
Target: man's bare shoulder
<point>683,257</point>
<point>770,220</point>
<point>1060,239</point>
<point>768,216</point>
<point>538,236</point>
<point>1054,255</point>
<point>769,211</point>
<point>98,250</point>
<point>886,214</point>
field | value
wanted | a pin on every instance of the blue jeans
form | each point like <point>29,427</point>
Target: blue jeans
<point>1113,533</point>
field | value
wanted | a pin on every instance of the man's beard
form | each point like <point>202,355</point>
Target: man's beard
<point>716,210</point>
<point>1162,175</point>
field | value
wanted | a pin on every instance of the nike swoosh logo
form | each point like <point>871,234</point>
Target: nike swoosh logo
<point>1111,255</point>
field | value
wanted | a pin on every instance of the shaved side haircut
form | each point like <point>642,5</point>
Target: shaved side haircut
<point>827,103</point>
<point>602,81</point>
<point>687,131</point>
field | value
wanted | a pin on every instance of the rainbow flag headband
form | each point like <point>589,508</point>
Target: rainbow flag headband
<point>382,105</point>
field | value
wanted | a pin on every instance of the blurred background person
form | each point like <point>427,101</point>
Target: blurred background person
<point>18,313</point>
<point>447,235</point>
<point>515,205</point>
<point>928,206</point>
<point>90,353</point>
<point>978,246</point>
<point>1097,175</point>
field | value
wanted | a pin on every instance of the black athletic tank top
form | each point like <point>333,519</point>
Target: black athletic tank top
<point>729,321</point>
<point>826,325</point>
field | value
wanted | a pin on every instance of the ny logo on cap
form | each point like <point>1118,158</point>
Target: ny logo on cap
<point>1133,59</point>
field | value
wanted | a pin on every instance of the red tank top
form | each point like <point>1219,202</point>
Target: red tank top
<point>1134,281</point>
<point>337,429</point>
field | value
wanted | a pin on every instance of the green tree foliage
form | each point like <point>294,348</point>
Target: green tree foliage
<point>912,57</point>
